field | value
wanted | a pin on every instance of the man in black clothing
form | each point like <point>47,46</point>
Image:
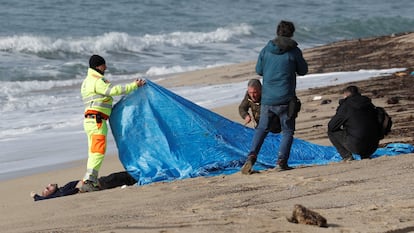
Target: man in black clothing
<point>354,128</point>
<point>106,182</point>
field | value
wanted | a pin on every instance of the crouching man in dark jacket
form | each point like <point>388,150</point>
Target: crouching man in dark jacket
<point>354,128</point>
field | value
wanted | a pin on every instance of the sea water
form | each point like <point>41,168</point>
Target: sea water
<point>45,47</point>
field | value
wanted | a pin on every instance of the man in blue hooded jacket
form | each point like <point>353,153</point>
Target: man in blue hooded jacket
<point>279,62</point>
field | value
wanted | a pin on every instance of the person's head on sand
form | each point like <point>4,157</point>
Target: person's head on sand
<point>49,190</point>
<point>285,29</point>
<point>97,63</point>
<point>351,91</point>
<point>254,90</point>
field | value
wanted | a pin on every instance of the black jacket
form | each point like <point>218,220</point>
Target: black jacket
<point>356,115</point>
<point>68,189</point>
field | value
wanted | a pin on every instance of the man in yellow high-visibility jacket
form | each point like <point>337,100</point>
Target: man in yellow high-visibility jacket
<point>97,95</point>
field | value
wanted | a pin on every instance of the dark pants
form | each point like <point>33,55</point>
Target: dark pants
<point>338,140</point>
<point>347,147</point>
<point>267,115</point>
<point>116,180</point>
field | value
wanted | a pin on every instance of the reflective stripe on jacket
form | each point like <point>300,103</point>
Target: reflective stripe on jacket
<point>97,92</point>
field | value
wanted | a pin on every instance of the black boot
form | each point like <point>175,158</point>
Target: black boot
<point>89,186</point>
<point>247,167</point>
<point>348,159</point>
<point>283,165</point>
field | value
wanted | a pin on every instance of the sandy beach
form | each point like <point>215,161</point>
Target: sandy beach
<point>360,196</point>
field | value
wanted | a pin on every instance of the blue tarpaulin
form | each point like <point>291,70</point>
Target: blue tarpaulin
<point>161,136</point>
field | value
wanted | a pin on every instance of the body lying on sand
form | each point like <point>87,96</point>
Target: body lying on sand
<point>105,182</point>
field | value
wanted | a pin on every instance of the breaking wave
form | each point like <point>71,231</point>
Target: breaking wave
<point>118,41</point>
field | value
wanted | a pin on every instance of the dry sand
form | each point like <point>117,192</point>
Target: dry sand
<point>360,196</point>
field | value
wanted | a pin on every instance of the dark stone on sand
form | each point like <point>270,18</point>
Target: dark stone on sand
<point>317,126</point>
<point>326,102</point>
<point>393,100</point>
<point>377,94</point>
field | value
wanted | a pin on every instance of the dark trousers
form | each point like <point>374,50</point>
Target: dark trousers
<point>347,146</point>
<point>267,115</point>
<point>338,140</point>
<point>116,180</point>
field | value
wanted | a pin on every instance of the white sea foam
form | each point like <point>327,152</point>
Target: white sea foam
<point>118,41</point>
<point>194,38</point>
<point>163,70</point>
<point>35,95</point>
<point>36,85</point>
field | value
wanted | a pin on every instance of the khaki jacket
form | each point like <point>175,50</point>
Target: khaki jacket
<point>247,104</point>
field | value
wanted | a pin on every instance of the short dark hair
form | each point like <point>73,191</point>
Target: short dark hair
<point>352,89</point>
<point>254,83</point>
<point>285,28</point>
